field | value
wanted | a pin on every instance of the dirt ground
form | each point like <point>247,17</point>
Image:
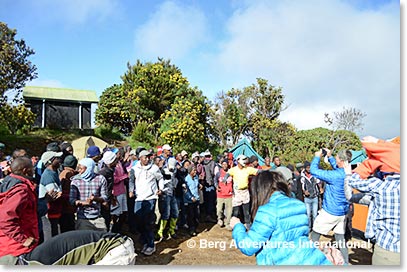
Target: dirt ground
<point>213,246</point>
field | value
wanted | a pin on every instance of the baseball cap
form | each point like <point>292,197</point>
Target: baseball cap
<point>49,155</point>
<point>172,163</point>
<point>144,153</point>
<point>183,153</point>
<point>241,157</point>
<point>133,152</point>
<point>70,161</point>
<point>109,157</point>
<point>93,151</point>
<point>166,147</point>
<point>2,146</point>
<point>53,147</point>
<point>287,174</point>
<point>207,153</point>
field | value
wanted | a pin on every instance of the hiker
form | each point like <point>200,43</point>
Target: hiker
<point>18,210</point>
<point>334,205</point>
<point>378,177</point>
<point>67,220</point>
<point>80,247</point>
<point>88,192</point>
<point>279,230</point>
<point>143,185</point>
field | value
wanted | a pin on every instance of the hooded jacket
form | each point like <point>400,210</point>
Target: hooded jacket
<point>18,215</point>
<point>334,202</point>
<point>144,181</point>
<point>279,234</point>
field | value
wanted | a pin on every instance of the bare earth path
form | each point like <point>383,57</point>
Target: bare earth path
<point>213,246</point>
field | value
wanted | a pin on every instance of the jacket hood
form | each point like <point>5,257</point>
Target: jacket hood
<point>147,167</point>
<point>207,161</point>
<point>10,181</point>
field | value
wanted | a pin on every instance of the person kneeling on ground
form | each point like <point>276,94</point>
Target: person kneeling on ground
<point>80,247</point>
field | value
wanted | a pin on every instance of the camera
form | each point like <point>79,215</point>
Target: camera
<point>323,152</point>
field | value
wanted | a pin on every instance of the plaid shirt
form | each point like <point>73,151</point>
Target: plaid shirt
<point>82,190</point>
<point>383,222</point>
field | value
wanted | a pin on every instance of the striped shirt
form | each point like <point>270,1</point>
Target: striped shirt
<point>82,190</point>
<point>383,221</point>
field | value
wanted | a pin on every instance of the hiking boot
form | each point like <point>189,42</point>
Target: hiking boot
<point>149,251</point>
<point>159,239</point>
<point>172,236</point>
<point>220,222</point>
<point>144,248</point>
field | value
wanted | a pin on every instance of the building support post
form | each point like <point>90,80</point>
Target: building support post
<point>80,115</point>
<point>43,114</point>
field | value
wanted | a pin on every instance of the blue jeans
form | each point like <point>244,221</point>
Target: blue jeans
<point>168,207</point>
<point>145,218</point>
<point>312,209</point>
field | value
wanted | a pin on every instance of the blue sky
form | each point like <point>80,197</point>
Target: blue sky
<point>325,54</point>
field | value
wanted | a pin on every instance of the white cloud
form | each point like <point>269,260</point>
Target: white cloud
<point>52,83</point>
<point>76,11</point>
<point>171,32</point>
<point>324,54</point>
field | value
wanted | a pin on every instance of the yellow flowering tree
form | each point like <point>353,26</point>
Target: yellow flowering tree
<point>185,125</point>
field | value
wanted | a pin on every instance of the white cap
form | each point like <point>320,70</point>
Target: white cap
<point>241,157</point>
<point>49,155</point>
<point>144,153</point>
<point>166,147</point>
<point>109,157</point>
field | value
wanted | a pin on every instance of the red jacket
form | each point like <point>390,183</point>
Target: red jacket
<point>18,215</point>
<point>225,189</point>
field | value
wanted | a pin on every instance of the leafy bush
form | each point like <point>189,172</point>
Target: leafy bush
<point>108,132</point>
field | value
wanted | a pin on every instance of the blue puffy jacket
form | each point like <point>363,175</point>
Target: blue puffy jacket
<point>334,202</point>
<point>279,234</point>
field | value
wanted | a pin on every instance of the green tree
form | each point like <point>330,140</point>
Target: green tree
<point>15,68</point>
<point>16,117</point>
<point>275,137</point>
<point>306,142</point>
<point>114,109</point>
<point>185,125</point>
<point>245,111</point>
<point>151,89</point>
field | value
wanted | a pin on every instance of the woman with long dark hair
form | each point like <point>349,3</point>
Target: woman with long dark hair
<point>279,231</point>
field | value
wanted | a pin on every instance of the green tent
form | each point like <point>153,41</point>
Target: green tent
<point>358,156</point>
<point>244,147</point>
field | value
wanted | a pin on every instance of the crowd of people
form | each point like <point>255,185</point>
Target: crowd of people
<point>157,194</point>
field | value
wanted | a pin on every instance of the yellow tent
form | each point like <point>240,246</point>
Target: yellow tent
<point>81,145</point>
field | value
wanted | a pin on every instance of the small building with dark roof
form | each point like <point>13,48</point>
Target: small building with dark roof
<point>60,108</point>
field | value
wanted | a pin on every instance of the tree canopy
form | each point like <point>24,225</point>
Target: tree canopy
<point>15,71</point>
<point>15,68</point>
